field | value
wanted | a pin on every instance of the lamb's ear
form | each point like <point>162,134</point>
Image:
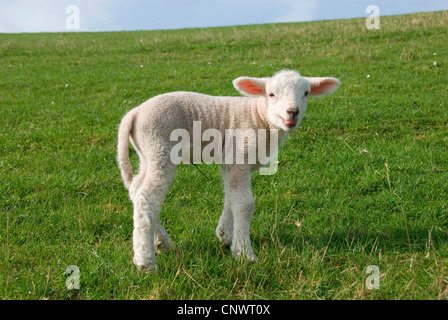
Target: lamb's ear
<point>321,86</point>
<point>250,86</point>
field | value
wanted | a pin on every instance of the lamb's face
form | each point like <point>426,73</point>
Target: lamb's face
<point>286,99</point>
<point>286,94</point>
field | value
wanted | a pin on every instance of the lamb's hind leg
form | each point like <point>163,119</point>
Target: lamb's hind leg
<point>162,241</point>
<point>148,201</point>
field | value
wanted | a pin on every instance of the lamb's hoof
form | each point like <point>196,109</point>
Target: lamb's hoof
<point>147,268</point>
<point>251,257</point>
<point>224,237</point>
<point>163,246</point>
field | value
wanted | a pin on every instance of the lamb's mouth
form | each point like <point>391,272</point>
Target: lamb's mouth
<point>289,123</point>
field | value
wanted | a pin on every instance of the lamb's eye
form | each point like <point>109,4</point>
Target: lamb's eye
<point>306,93</point>
<point>272,95</point>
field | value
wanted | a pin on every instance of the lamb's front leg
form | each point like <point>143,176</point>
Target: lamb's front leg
<point>224,231</point>
<point>237,179</point>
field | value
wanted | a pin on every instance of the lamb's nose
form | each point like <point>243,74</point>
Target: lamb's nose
<point>293,112</point>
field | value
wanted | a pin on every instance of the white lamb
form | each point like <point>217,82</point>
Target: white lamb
<point>278,102</point>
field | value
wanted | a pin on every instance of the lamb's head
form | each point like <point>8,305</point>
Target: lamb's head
<point>286,94</point>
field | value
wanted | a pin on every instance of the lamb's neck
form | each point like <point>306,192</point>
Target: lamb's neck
<point>260,114</point>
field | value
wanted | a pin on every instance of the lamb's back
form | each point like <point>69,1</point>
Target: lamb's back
<point>178,110</point>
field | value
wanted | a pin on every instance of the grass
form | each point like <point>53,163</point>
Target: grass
<point>362,182</point>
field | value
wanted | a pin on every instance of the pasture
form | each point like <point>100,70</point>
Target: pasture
<point>362,182</point>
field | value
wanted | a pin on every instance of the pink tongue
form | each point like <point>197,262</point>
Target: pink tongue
<point>290,122</point>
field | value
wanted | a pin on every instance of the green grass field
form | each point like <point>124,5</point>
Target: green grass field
<point>363,181</point>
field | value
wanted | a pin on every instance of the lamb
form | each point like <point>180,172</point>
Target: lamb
<point>276,104</point>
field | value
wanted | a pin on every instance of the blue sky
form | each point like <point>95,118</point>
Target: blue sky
<point>117,15</point>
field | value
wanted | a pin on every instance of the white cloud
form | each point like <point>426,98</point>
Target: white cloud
<point>26,16</point>
<point>51,16</point>
<point>299,10</point>
<point>97,15</point>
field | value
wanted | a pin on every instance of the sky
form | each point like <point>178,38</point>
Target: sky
<point>18,16</point>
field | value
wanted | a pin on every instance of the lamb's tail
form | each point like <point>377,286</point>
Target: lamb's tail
<point>124,132</point>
